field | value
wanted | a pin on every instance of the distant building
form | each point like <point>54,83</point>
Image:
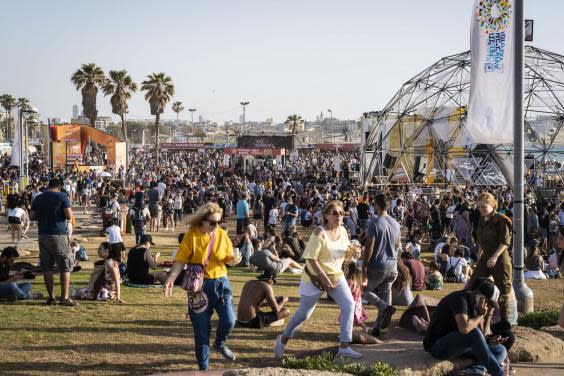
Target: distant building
<point>103,122</point>
<point>74,111</point>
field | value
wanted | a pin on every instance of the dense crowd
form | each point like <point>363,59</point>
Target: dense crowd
<point>366,245</point>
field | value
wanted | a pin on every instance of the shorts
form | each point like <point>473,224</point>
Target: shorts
<point>154,211</point>
<point>261,320</point>
<point>148,279</point>
<point>55,249</point>
<point>282,265</point>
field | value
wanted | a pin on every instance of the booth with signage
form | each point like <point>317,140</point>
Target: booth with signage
<point>86,148</point>
<point>252,157</point>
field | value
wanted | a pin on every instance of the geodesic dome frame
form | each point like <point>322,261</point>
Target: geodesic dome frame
<point>419,136</point>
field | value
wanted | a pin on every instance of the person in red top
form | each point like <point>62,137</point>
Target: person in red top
<point>416,269</point>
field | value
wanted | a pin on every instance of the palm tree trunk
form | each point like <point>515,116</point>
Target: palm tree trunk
<point>123,127</point>
<point>157,129</point>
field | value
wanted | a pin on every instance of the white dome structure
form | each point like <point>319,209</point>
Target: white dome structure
<point>419,136</point>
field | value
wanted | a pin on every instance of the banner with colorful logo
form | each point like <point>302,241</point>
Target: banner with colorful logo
<point>490,109</point>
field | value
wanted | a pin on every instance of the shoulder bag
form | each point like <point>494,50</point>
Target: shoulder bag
<point>194,277</point>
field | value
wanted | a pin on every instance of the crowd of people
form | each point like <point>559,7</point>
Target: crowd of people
<point>365,246</point>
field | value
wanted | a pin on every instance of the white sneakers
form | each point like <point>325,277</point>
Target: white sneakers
<point>279,348</point>
<point>348,352</point>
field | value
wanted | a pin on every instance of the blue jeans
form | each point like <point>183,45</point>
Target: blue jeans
<point>138,235</point>
<point>474,345</point>
<point>18,290</point>
<point>220,299</point>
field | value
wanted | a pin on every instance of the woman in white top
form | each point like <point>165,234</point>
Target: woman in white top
<point>16,219</point>
<point>324,255</point>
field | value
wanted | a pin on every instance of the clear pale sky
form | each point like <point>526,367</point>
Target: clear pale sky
<point>283,56</point>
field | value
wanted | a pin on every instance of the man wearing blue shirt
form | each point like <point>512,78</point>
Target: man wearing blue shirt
<point>52,210</point>
<point>242,213</point>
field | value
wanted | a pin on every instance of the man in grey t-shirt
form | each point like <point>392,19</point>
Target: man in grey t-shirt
<point>380,261</point>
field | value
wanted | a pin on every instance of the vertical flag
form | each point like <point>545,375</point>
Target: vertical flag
<point>16,145</point>
<point>490,108</point>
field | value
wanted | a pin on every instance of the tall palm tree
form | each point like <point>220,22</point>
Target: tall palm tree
<point>89,78</point>
<point>178,108</point>
<point>159,89</point>
<point>294,123</point>
<point>8,102</point>
<point>23,103</point>
<point>121,87</point>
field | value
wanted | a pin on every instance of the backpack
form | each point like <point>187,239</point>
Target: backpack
<point>108,213</point>
<point>450,275</point>
<point>138,218</point>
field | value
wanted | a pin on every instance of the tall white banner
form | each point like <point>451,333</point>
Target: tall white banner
<point>490,109</point>
<point>16,145</point>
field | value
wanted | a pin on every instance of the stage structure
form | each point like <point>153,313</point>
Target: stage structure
<point>419,136</point>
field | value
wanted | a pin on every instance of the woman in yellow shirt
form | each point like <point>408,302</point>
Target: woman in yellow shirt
<point>324,255</point>
<point>202,234</point>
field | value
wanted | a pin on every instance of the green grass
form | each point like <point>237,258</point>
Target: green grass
<point>150,334</point>
<point>324,362</point>
<point>536,320</point>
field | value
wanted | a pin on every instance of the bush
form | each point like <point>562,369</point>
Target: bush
<point>537,320</point>
<point>324,362</point>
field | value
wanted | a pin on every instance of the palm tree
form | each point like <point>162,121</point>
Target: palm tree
<point>159,89</point>
<point>8,102</point>
<point>121,87</point>
<point>178,108</point>
<point>89,78</point>
<point>23,103</point>
<point>294,123</point>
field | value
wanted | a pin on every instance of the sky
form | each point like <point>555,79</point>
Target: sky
<point>284,57</point>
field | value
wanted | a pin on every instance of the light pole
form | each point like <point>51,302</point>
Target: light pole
<point>244,104</point>
<point>331,121</point>
<point>22,140</point>
<point>192,110</point>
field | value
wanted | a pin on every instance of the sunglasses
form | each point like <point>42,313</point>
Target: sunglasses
<point>212,223</point>
<point>338,212</point>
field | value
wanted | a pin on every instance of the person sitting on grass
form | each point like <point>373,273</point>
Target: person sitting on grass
<point>433,277</point>
<point>265,259</point>
<point>105,281</point>
<point>353,274</point>
<point>457,329</point>
<point>10,288</point>
<point>140,260</point>
<point>254,295</point>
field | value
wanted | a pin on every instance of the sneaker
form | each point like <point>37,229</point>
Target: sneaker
<point>277,323</point>
<point>279,348</point>
<point>69,303</point>
<point>384,317</point>
<point>469,372</point>
<point>348,352</point>
<point>225,351</point>
<point>35,296</point>
<point>51,301</point>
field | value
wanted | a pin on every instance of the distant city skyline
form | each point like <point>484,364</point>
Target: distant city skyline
<point>283,57</point>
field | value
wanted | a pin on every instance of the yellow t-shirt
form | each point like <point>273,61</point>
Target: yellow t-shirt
<point>194,250</point>
<point>329,254</point>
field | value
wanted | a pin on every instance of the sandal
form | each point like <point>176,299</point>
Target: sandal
<point>51,301</point>
<point>69,303</point>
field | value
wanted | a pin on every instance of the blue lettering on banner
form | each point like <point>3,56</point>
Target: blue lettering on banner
<point>496,52</point>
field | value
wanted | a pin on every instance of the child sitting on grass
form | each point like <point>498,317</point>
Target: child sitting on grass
<point>433,277</point>
<point>353,274</point>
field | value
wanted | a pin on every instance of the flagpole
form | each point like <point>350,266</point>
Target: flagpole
<point>523,293</point>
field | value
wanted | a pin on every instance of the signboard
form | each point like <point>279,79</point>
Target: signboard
<point>254,151</point>
<point>266,142</point>
<point>183,145</point>
<point>73,152</point>
<point>339,146</point>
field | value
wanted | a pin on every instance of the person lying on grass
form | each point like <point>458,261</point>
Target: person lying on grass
<point>256,294</point>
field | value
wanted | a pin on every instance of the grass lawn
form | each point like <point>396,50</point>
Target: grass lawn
<point>149,334</point>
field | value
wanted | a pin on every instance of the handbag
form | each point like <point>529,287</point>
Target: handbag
<point>314,279</point>
<point>194,277</point>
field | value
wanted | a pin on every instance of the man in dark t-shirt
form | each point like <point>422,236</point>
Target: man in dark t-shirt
<point>269,203</point>
<point>52,209</point>
<point>455,329</point>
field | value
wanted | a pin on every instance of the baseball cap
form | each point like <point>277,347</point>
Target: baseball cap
<point>490,291</point>
<point>146,239</point>
<point>266,275</point>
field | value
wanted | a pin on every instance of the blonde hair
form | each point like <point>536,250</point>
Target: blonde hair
<point>203,211</point>
<point>335,204</point>
<point>487,198</point>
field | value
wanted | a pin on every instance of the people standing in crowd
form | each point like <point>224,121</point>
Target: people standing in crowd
<point>493,236</point>
<point>52,210</point>
<point>380,259</point>
<point>139,216</point>
<point>205,243</point>
<point>324,255</point>
<point>243,213</point>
